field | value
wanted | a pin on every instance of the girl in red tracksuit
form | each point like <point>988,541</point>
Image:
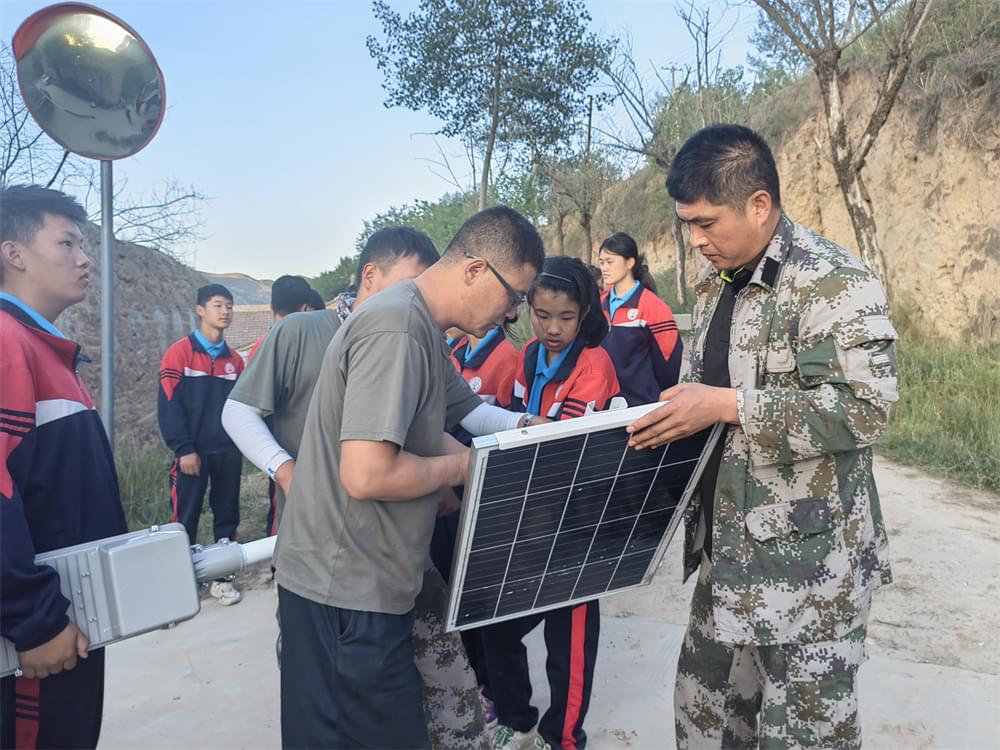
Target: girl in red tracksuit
<point>561,373</point>
<point>643,341</point>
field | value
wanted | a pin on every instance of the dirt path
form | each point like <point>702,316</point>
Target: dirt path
<point>942,608</point>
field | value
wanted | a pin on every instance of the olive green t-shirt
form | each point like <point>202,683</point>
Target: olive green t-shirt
<point>386,376</point>
<point>282,374</point>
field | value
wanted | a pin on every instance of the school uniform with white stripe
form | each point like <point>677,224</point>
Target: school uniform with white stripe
<point>196,378</point>
<point>643,343</point>
<point>58,488</point>
<point>577,379</point>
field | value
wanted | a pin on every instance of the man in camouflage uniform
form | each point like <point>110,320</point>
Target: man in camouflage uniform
<point>793,348</point>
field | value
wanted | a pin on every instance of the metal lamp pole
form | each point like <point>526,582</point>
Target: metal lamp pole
<point>107,302</point>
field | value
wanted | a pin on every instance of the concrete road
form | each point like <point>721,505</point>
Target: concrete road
<point>212,682</point>
<point>931,681</point>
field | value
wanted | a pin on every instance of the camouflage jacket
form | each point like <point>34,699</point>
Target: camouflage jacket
<point>798,540</point>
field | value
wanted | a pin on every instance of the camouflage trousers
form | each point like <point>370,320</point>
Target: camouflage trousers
<point>777,697</point>
<point>451,697</point>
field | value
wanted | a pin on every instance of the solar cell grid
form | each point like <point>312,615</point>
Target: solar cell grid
<point>564,519</point>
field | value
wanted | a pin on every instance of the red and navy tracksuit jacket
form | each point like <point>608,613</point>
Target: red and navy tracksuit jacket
<point>490,373</point>
<point>58,488</point>
<point>644,345</point>
<point>193,390</point>
<point>586,378</point>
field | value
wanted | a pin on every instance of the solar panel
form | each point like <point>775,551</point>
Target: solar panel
<point>566,512</point>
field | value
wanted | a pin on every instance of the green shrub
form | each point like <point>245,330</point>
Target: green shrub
<point>143,479</point>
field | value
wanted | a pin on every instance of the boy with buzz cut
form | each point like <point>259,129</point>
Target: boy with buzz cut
<point>58,485</point>
<point>289,294</point>
<point>196,375</point>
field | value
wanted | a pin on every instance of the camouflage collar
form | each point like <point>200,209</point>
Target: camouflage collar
<point>766,273</point>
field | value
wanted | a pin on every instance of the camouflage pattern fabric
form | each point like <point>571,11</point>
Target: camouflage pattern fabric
<point>451,696</point>
<point>342,304</point>
<point>804,694</point>
<point>798,540</point>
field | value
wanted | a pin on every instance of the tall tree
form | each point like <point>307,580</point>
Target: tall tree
<point>662,113</point>
<point>578,184</point>
<point>494,71</point>
<point>821,31</point>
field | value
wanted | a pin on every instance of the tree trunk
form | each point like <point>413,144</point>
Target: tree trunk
<point>859,208</point>
<point>491,137</point>
<point>560,234</point>
<point>588,253</point>
<point>484,178</point>
<point>852,186</point>
<point>681,262</point>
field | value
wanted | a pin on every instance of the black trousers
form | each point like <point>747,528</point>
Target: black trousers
<point>442,554</point>
<point>59,711</point>
<point>348,678</point>
<point>220,474</point>
<point>571,639</point>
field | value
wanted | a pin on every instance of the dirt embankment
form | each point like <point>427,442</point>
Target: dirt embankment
<point>154,305</point>
<point>934,187</point>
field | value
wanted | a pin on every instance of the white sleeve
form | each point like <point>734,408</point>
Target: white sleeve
<point>245,426</point>
<point>486,419</point>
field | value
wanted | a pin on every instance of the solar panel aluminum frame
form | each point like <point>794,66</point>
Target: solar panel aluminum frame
<point>483,447</point>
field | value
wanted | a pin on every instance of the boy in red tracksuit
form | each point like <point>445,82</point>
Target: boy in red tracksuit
<point>196,375</point>
<point>560,374</point>
<point>58,485</point>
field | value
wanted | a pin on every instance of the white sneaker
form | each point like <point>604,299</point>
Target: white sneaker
<point>507,738</point>
<point>225,592</point>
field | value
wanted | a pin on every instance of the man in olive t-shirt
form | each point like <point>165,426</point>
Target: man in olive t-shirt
<point>374,456</point>
<point>278,384</point>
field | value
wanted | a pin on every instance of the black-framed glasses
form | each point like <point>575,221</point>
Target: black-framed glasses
<point>516,298</point>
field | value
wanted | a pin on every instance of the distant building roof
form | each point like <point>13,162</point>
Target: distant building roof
<point>250,322</point>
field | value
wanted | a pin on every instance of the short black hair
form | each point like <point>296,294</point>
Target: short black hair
<point>389,245</point>
<point>206,293</point>
<point>289,294</point>
<point>724,165</point>
<point>315,301</point>
<point>501,236</point>
<point>23,209</point>
<point>561,273</point>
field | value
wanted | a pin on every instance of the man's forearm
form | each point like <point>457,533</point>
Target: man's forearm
<point>403,477</point>
<point>486,419</point>
<point>246,428</point>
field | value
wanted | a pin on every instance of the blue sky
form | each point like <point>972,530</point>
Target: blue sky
<point>274,110</point>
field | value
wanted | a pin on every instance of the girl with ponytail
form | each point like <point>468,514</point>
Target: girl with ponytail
<point>643,341</point>
<point>560,373</point>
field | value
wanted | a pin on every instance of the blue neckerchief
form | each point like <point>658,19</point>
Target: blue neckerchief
<point>483,343</point>
<point>544,374</point>
<point>33,314</point>
<point>214,350</point>
<point>614,301</point>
